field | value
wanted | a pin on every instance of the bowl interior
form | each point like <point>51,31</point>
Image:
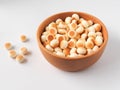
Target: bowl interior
<point>63,15</point>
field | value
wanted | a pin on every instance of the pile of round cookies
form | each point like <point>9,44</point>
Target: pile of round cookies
<point>74,36</point>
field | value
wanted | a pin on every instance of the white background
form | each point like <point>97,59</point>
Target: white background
<point>24,16</point>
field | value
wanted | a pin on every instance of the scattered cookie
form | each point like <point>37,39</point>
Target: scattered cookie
<point>12,53</point>
<point>20,58</point>
<point>23,38</point>
<point>8,45</point>
<point>24,50</point>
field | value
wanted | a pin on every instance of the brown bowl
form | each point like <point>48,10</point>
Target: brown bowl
<point>68,63</point>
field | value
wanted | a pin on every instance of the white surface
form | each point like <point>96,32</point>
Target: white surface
<point>23,17</point>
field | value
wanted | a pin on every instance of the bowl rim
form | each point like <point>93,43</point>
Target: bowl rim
<point>71,58</point>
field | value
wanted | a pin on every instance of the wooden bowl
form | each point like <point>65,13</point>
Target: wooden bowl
<point>69,63</point>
